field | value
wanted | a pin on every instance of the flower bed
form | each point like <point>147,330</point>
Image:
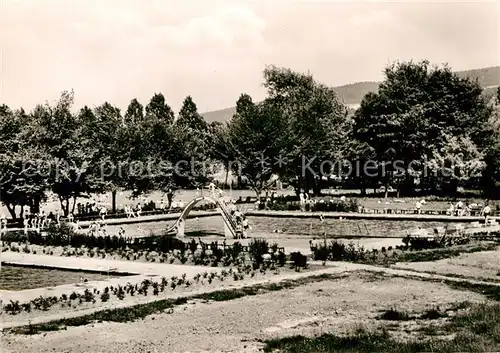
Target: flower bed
<point>64,241</point>
<point>338,251</point>
<point>72,300</point>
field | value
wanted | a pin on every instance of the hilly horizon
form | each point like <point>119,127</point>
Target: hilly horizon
<point>352,94</point>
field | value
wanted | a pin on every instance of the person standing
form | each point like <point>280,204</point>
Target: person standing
<point>3,223</point>
<point>302,202</point>
<point>486,213</point>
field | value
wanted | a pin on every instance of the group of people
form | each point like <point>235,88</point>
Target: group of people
<point>465,209</point>
<point>240,219</point>
<point>133,211</point>
<point>38,221</point>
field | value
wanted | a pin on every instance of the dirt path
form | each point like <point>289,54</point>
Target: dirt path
<point>234,326</point>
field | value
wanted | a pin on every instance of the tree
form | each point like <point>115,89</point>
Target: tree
<point>100,131</point>
<point>491,176</point>
<point>316,126</point>
<point>252,142</point>
<point>193,142</point>
<point>159,109</point>
<point>56,132</point>
<point>411,118</point>
<point>189,116</point>
<point>135,112</point>
<point>22,181</point>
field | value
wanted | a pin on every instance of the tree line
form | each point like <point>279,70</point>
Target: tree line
<point>425,129</point>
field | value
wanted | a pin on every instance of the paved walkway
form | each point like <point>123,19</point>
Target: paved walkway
<point>141,271</point>
<point>379,216</point>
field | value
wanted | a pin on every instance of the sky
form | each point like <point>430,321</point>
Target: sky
<point>214,50</point>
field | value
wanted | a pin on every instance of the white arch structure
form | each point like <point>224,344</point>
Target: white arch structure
<point>229,223</point>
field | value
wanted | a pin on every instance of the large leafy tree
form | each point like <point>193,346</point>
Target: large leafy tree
<point>191,154</point>
<point>22,182</point>
<point>491,179</point>
<point>317,126</point>
<point>158,108</point>
<point>251,144</point>
<point>411,118</point>
<point>135,112</point>
<point>57,132</point>
<point>99,133</point>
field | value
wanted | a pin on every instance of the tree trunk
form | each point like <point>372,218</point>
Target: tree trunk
<point>227,175</point>
<point>113,201</point>
<point>317,188</point>
<point>12,210</point>
<point>74,204</point>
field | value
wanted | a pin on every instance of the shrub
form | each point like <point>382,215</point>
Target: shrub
<point>13,307</point>
<point>298,260</point>
<point>88,295</point>
<point>105,297</point>
<point>257,248</point>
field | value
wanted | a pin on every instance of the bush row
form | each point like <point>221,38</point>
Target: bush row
<point>324,205</point>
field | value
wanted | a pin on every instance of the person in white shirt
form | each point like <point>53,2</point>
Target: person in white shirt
<point>459,208</point>
<point>302,201</point>
<point>103,212</point>
<point>418,206</point>
<point>3,223</point>
<point>486,212</point>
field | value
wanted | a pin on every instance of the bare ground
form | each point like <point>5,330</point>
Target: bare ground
<point>484,265</point>
<point>337,306</point>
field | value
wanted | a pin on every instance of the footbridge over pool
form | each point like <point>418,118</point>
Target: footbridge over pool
<point>230,226</point>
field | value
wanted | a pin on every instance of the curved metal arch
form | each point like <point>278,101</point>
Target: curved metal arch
<point>192,203</point>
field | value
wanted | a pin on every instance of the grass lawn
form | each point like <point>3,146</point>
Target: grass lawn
<point>477,330</point>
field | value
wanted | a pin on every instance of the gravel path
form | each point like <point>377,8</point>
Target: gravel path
<point>234,326</point>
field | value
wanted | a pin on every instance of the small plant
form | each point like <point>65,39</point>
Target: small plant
<point>88,295</point>
<point>197,278</point>
<point>13,307</point>
<point>394,315</point>
<point>121,293</point>
<point>27,307</point>
<point>105,297</point>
